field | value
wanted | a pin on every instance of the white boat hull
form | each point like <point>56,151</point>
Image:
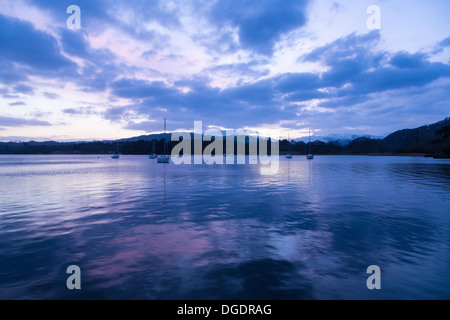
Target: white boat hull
<point>163,160</point>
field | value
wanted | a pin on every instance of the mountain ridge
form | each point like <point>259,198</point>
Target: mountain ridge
<point>433,139</point>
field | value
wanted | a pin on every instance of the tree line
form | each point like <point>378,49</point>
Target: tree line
<point>421,140</point>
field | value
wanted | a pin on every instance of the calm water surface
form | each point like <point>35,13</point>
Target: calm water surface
<point>141,230</point>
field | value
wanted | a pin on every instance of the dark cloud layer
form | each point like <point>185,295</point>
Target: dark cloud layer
<point>18,103</point>
<point>20,42</point>
<point>261,23</point>
<point>357,78</point>
<point>445,42</point>
<point>19,122</point>
<point>355,72</point>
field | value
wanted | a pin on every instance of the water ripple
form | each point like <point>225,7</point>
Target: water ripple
<point>140,230</point>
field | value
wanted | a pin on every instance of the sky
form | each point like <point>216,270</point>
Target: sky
<point>269,65</point>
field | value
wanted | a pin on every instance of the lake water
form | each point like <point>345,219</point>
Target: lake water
<point>142,230</point>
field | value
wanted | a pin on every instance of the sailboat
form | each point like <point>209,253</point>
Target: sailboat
<point>164,158</point>
<point>154,155</point>
<point>310,156</point>
<point>289,155</point>
<point>117,155</point>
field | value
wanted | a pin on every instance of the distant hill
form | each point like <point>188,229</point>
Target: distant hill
<point>341,139</point>
<point>150,137</point>
<point>426,139</point>
<point>432,139</point>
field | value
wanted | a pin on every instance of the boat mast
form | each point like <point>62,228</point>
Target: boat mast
<point>289,140</point>
<point>164,136</point>
<point>309,141</point>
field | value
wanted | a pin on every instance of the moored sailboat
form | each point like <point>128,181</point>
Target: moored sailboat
<point>289,155</point>
<point>310,156</point>
<point>164,158</point>
<point>117,155</point>
<point>154,155</point>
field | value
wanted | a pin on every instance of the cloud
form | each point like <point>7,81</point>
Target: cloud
<point>10,73</point>
<point>445,42</point>
<point>150,53</point>
<point>347,58</point>
<point>292,82</point>
<point>128,15</point>
<point>147,126</point>
<point>92,11</point>
<point>18,122</point>
<point>405,60</point>
<point>75,43</point>
<point>354,63</point>
<point>98,65</point>
<point>22,44</point>
<point>252,69</point>
<point>260,24</point>
<point>120,113</point>
<point>345,102</point>
<point>22,88</point>
<point>14,104</point>
<point>355,72</point>
<point>133,88</point>
<point>251,102</point>
<point>215,63</point>
<point>347,47</point>
<point>50,95</point>
<point>26,51</point>
<point>80,111</point>
<point>390,79</point>
<point>10,96</point>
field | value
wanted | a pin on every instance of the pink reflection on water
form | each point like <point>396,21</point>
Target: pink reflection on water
<point>163,246</point>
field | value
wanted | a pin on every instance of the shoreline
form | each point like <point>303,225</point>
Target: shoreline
<point>416,155</point>
<point>423,155</point>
